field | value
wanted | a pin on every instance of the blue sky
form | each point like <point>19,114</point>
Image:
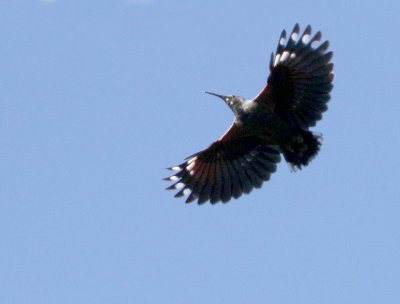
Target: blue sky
<point>98,97</point>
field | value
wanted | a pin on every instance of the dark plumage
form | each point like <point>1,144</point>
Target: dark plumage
<point>275,122</point>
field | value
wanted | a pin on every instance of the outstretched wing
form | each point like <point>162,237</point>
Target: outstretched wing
<point>301,78</point>
<point>225,169</point>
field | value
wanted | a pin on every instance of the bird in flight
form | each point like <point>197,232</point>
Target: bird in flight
<point>275,122</point>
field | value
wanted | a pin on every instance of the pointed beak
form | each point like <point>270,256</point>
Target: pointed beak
<point>218,95</point>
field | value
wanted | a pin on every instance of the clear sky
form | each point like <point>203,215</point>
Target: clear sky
<point>97,98</point>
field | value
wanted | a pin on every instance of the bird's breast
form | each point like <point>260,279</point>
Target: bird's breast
<point>261,123</point>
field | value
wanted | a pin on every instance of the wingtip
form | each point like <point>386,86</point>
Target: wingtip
<point>282,39</point>
<point>190,198</point>
<point>271,62</point>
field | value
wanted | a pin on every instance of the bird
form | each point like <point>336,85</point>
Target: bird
<point>275,122</point>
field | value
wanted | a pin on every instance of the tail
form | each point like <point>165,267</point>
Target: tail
<point>302,149</point>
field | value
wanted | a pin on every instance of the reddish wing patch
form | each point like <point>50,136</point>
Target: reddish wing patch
<point>224,170</point>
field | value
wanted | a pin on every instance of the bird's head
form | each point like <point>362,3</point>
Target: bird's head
<point>233,101</point>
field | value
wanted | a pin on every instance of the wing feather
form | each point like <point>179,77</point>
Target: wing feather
<point>226,169</point>
<point>301,75</point>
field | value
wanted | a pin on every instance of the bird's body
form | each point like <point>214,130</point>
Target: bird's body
<point>257,120</point>
<point>275,122</point>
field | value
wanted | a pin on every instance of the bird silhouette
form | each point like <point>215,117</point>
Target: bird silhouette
<point>275,122</point>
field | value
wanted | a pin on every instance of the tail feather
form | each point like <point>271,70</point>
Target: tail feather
<point>303,148</point>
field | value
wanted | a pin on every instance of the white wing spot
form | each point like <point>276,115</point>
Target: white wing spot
<point>277,58</point>
<point>192,159</point>
<point>191,173</point>
<point>173,178</point>
<point>282,41</point>
<point>314,44</point>
<point>305,38</point>
<point>186,191</point>
<point>190,167</point>
<point>176,168</point>
<point>294,36</point>
<point>285,55</point>
<point>292,55</point>
<point>179,185</point>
